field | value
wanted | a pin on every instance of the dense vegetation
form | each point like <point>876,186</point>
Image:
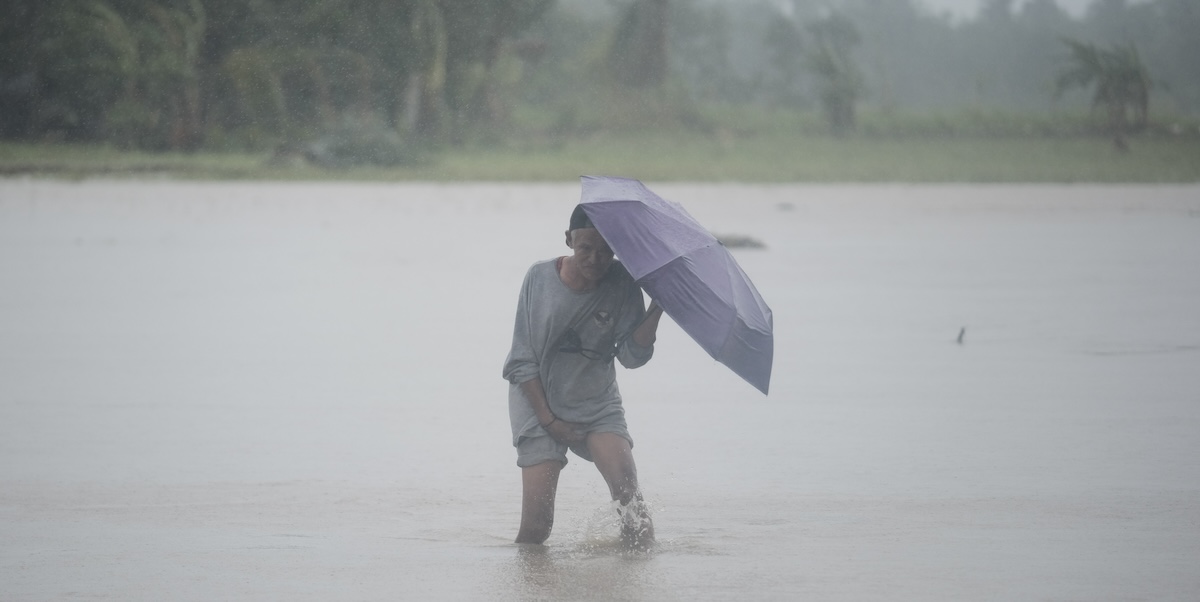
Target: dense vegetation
<point>182,74</point>
<point>387,82</point>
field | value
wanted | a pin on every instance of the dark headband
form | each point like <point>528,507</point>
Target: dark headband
<point>580,219</point>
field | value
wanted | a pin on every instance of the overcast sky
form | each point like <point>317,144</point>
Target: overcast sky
<point>968,8</point>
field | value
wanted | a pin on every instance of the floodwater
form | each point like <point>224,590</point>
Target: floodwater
<point>273,391</point>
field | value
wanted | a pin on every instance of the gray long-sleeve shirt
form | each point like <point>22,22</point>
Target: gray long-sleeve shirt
<point>578,389</point>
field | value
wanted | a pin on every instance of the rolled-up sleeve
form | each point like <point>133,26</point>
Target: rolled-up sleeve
<point>629,353</point>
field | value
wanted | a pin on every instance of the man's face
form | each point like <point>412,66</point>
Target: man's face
<point>592,254</point>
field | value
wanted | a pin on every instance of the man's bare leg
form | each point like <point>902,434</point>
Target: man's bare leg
<point>539,483</point>
<point>614,458</point>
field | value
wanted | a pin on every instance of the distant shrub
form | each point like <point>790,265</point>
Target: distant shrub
<point>363,142</point>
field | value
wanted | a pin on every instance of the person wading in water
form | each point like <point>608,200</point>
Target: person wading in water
<point>574,316</point>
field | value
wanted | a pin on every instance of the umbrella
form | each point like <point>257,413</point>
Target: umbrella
<point>687,271</point>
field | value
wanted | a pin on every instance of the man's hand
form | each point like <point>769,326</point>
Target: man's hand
<point>647,332</point>
<point>565,432</point>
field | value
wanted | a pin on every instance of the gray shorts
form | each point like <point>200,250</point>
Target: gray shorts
<point>532,451</point>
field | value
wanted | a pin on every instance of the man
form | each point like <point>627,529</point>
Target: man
<point>575,314</point>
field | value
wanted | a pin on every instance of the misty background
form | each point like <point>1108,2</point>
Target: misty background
<point>391,76</point>
<point>224,367</point>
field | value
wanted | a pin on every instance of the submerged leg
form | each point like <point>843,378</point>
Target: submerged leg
<point>538,486</point>
<point>614,458</point>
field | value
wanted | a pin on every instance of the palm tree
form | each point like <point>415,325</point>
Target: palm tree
<point>1121,82</point>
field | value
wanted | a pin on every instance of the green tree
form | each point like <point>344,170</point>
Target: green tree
<point>168,73</point>
<point>480,58</point>
<point>123,70</point>
<point>426,58</point>
<point>169,34</point>
<point>1120,83</point>
<point>83,57</point>
<point>699,41</point>
<point>830,58</point>
<point>784,45</point>
<point>638,55</point>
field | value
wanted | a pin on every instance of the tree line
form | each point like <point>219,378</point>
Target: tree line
<point>180,73</point>
<point>254,74</point>
<point>908,58</point>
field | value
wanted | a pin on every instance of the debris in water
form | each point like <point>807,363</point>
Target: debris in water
<point>738,241</point>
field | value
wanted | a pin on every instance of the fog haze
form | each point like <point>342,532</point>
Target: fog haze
<point>966,9</point>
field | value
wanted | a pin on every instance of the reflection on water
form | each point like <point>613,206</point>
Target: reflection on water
<point>323,360</point>
<point>589,571</point>
<point>589,561</point>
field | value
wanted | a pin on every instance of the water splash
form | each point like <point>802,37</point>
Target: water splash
<point>634,516</point>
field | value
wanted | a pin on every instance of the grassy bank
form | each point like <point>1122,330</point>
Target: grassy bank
<point>722,156</point>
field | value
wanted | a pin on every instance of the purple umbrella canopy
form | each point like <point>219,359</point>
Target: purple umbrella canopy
<point>687,271</point>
